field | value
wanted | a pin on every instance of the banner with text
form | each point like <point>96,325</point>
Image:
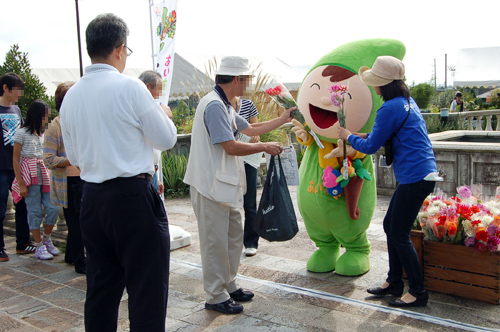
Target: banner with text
<point>164,19</point>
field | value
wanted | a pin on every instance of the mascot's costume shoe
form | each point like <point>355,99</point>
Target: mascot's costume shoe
<point>324,259</point>
<point>337,211</point>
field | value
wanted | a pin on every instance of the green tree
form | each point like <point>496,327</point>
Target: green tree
<point>17,62</point>
<point>422,93</point>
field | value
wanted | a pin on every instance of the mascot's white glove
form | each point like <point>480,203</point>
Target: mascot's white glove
<point>299,131</point>
<point>339,151</point>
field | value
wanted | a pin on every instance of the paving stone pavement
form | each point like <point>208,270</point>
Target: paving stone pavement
<point>49,295</point>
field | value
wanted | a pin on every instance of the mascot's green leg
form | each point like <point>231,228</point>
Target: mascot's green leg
<point>353,263</point>
<point>324,259</point>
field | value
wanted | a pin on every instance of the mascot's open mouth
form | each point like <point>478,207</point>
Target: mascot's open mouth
<point>322,118</point>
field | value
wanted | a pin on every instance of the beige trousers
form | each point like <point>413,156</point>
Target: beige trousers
<point>221,243</point>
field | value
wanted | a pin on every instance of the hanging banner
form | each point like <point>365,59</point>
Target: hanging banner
<point>164,20</point>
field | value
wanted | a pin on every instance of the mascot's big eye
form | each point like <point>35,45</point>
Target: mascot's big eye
<point>319,88</point>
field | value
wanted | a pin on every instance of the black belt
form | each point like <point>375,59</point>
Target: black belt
<point>146,176</point>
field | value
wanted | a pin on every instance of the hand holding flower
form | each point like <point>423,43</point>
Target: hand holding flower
<point>287,116</point>
<point>343,133</point>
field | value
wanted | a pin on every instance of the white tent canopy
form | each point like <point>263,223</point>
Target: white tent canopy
<point>276,69</point>
<point>189,75</point>
<point>478,67</point>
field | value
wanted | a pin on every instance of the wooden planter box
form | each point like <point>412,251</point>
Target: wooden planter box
<point>417,238</point>
<point>461,271</point>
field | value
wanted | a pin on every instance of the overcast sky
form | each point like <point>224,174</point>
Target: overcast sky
<point>298,32</point>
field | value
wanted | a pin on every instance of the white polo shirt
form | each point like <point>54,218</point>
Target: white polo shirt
<point>110,124</point>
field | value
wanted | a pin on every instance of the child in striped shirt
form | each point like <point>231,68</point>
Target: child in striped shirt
<point>32,178</point>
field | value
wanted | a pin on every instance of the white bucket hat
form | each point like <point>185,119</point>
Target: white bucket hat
<point>385,70</point>
<point>234,66</point>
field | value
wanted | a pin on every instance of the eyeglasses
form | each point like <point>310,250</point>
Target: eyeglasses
<point>129,51</point>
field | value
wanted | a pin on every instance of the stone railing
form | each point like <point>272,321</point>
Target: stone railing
<point>472,119</point>
<point>471,161</point>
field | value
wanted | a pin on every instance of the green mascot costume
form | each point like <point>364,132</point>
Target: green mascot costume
<point>337,211</point>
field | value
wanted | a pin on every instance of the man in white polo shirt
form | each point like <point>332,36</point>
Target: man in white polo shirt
<point>110,125</point>
<point>215,175</point>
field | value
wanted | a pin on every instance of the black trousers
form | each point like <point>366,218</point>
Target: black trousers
<point>21,214</point>
<point>74,243</point>
<point>125,232</point>
<point>250,236</point>
<point>403,209</point>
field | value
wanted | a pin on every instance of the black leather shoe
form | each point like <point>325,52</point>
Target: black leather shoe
<point>421,301</point>
<point>226,307</point>
<point>392,290</point>
<point>241,295</point>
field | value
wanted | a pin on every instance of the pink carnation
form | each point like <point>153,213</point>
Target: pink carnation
<point>482,207</point>
<point>493,243</point>
<point>449,211</point>
<point>470,241</point>
<point>464,191</point>
<point>492,229</point>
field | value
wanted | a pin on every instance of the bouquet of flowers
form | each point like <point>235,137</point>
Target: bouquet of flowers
<point>338,92</point>
<point>462,219</point>
<point>283,97</point>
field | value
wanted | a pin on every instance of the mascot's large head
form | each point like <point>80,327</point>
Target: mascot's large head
<point>341,66</point>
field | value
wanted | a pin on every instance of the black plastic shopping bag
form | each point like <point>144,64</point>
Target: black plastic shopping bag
<point>275,220</point>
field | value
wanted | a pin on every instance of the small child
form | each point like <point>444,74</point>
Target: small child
<point>32,178</point>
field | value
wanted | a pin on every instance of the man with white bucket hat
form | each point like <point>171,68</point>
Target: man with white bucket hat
<point>214,173</point>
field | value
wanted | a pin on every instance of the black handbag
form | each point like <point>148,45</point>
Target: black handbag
<point>389,151</point>
<point>276,220</point>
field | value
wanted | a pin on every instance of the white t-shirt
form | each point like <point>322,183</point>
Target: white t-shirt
<point>110,124</point>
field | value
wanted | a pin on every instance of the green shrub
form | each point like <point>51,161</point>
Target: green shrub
<point>183,116</point>
<point>422,94</point>
<point>174,169</point>
<point>443,99</point>
<point>434,125</point>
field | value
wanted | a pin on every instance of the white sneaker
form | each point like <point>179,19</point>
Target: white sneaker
<point>42,253</point>
<point>50,246</point>
<point>250,251</point>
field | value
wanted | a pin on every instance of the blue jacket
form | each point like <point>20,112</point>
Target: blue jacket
<point>413,154</point>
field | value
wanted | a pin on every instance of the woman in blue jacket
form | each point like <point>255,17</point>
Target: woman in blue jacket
<point>414,162</point>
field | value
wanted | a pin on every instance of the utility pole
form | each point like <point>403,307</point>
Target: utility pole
<point>445,70</point>
<point>435,86</point>
<point>79,41</point>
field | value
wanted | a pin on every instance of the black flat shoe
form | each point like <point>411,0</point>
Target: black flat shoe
<point>421,301</point>
<point>241,295</point>
<point>81,270</point>
<point>226,307</point>
<point>392,290</point>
